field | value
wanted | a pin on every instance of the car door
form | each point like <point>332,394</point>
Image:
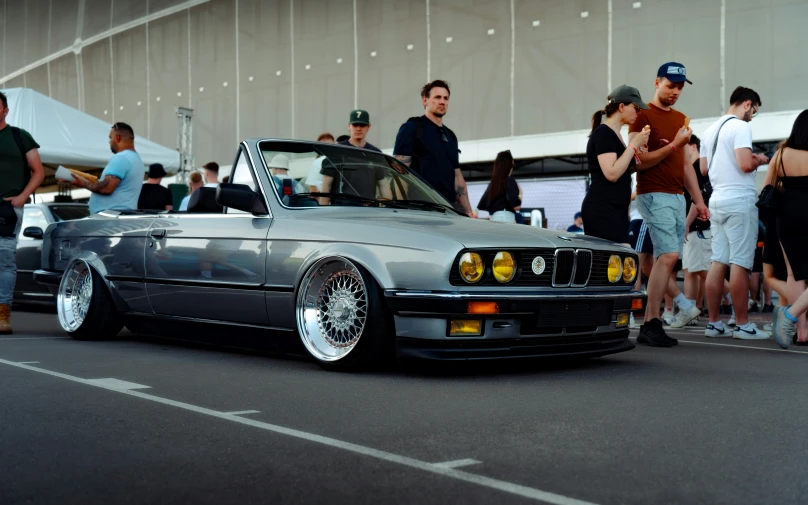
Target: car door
<point>29,255</point>
<point>210,266</point>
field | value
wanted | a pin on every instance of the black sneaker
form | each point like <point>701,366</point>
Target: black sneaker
<point>653,335</point>
<point>754,307</point>
<point>768,308</point>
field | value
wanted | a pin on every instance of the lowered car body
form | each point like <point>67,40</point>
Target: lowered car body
<point>378,265</point>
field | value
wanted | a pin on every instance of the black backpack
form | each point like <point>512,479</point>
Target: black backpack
<point>418,147</point>
<point>26,170</point>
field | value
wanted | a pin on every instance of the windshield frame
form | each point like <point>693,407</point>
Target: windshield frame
<point>395,165</point>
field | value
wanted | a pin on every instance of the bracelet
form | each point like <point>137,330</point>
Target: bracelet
<point>673,147</point>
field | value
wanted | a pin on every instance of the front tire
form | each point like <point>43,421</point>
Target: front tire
<point>84,306</point>
<point>341,317</point>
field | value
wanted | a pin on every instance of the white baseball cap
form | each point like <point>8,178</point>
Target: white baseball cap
<point>280,161</point>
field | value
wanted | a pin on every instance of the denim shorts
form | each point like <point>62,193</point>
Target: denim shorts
<point>664,215</point>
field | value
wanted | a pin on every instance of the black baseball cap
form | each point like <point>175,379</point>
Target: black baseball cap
<point>626,94</point>
<point>674,72</point>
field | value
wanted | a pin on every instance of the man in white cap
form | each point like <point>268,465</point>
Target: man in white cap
<point>279,165</point>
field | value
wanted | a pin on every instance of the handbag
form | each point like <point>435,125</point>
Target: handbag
<point>768,202</point>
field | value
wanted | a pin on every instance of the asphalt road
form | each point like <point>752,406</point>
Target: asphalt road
<point>147,421</point>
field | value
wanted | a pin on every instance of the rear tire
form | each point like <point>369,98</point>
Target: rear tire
<point>341,317</point>
<point>84,305</point>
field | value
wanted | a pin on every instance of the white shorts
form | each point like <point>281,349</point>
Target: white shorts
<point>698,252</point>
<point>734,224</point>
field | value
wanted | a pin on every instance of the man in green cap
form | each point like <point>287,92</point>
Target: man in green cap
<point>359,126</point>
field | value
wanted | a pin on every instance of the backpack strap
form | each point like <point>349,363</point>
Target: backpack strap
<point>26,170</point>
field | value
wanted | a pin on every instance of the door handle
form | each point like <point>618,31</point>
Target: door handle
<point>158,233</point>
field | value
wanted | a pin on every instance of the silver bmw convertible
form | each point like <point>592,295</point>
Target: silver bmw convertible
<point>361,262</point>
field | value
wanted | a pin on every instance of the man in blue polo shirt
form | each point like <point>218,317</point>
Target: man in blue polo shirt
<point>120,183</point>
<point>430,148</point>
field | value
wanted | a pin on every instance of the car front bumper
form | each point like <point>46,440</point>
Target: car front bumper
<point>524,325</point>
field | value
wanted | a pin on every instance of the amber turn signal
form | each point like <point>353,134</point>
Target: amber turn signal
<point>636,304</point>
<point>622,320</point>
<point>483,308</point>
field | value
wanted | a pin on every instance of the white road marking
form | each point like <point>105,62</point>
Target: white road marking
<point>716,344</point>
<point>241,412</point>
<point>457,463</point>
<point>775,349</point>
<point>29,362</point>
<point>480,480</point>
<point>3,339</point>
<point>116,384</point>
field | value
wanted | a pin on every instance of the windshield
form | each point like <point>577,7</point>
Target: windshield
<point>314,175</point>
<point>69,212</point>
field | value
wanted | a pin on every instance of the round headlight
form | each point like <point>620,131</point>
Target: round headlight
<point>504,267</point>
<point>629,269</point>
<point>615,268</point>
<point>471,267</point>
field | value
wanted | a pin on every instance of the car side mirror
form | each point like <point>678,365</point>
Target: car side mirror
<point>240,197</point>
<point>34,232</point>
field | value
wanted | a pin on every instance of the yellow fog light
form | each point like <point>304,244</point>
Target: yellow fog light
<point>461,327</point>
<point>504,267</point>
<point>629,269</point>
<point>622,320</point>
<point>471,267</point>
<point>615,268</point>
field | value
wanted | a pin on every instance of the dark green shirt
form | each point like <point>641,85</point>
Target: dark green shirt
<point>12,179</point>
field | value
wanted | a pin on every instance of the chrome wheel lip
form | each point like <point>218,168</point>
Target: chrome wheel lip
<point>331,309</point>
<point>75,295</point>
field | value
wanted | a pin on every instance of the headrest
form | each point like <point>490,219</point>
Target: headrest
<point>204,200</point>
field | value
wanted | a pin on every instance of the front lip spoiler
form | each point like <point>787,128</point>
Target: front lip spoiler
<point>437,295</point>
<point>47,277</point>
<point>449,304</point>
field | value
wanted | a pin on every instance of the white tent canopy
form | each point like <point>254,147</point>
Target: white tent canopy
<point>70,137</point>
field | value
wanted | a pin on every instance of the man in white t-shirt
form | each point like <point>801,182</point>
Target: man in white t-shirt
<point>730,164</point>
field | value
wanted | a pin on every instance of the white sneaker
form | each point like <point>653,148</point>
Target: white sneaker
<point>694,322</point>
<point>731,321</point>
<point>667,317</point>
<point>685,316</point>
<point>713,332</point>
<point>749,332</point>
<point>632,323</point>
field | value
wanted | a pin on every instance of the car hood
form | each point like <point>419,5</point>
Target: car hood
<point>397,227</point>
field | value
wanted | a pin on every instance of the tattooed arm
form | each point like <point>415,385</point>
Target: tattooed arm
<point>103,186</point>
<point>462,195</point>
<point>407,160</point>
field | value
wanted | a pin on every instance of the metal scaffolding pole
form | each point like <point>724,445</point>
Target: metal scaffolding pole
<point>185,143</point>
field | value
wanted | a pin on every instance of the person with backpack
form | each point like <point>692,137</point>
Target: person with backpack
<point>430,148</point>
<point>21,173</point>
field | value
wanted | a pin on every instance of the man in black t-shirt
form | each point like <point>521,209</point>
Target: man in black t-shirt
<point>697,252</point>
<point>431,150</point>
<point>153,196</point>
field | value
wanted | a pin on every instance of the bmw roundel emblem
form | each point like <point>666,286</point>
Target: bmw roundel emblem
<point>538,265</point>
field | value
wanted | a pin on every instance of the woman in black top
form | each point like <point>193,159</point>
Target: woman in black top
<point>605,207</point>
<point>501,197</point>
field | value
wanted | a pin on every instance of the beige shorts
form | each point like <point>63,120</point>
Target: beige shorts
<point>697,253</point>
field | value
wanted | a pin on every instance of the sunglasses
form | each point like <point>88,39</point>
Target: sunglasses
<point>443,136</point>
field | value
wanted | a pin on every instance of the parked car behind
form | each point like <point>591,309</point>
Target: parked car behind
<point>36,218</point>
